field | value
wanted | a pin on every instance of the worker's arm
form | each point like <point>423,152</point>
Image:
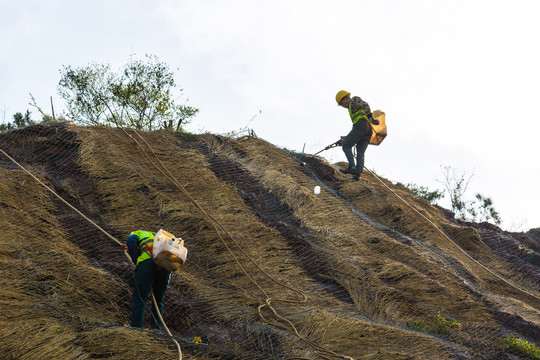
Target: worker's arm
<point>133,247</point>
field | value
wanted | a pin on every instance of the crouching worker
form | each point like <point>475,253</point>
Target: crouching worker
<point>147,276</point>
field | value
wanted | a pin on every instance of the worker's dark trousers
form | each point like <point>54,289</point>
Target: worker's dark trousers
<point>359,137</point>
<point>147,278</point>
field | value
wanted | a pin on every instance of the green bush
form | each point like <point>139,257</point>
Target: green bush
<point>141,95</point>
<point>424,192</point>
<point>445,326</point>
<point>19,121</point>
<point>419,325</point>
<point>442,325</point>
<point>520,347</point>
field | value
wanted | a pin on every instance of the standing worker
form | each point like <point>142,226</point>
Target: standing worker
<point>148,276</point>
<point>361,131</point>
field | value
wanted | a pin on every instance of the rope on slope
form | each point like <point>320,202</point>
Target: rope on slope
<point>452,241</point>
<point>103,231</point>
<point>322,351</point>
<point>268,301</point>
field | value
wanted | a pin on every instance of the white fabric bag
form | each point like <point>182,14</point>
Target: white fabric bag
<point>169,252</point>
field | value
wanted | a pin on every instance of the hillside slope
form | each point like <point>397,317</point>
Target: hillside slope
<point>364,270</point>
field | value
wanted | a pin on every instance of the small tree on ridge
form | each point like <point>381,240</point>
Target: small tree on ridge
<point>141,96</point>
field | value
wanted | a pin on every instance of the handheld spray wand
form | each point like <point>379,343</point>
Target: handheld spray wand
<point>333,145</point>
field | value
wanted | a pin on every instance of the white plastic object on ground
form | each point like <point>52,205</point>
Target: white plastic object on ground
<point>317,190</point>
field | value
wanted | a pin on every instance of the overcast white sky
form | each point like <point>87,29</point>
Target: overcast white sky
<point>459,81</point>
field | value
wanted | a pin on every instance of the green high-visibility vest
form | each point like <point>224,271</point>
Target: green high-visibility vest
<point>360,114</point>
<point>145,243</point>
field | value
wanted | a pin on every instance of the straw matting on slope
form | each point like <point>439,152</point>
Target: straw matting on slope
<point>337,239</point>
<point>373,252</point>
<point>458,303</point>
<point>211,277</point>
<point>363,287</point>
<point>462,243</point>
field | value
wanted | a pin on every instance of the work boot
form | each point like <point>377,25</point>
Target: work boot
<point>356,178</point>
<point>349,170</point>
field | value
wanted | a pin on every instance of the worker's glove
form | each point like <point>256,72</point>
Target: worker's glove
<point>340,142</point>
<point>373,121</point>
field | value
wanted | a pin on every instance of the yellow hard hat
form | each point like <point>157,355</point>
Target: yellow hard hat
<point>341,94</point>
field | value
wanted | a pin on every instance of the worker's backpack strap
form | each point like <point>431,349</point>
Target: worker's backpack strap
<point>146,246</point>
<point>147,253</point>
<point>369,129</point>
<point>145,241</point>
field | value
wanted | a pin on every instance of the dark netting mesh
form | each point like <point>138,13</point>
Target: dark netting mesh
<point>363,270</point>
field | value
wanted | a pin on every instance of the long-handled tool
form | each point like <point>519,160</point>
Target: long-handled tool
<point>337,143</point>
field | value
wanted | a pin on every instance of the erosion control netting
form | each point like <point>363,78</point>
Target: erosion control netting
<point>363,270</point>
